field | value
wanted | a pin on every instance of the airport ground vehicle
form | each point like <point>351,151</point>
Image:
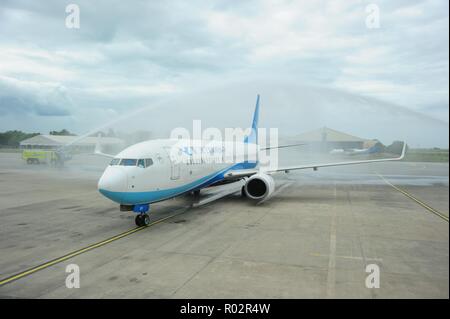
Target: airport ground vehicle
<point>41,156</point>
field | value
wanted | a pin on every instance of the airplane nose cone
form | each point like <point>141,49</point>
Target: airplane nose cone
<point>113,180</point>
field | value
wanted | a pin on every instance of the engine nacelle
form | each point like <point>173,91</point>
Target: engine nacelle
<point>259,186</point>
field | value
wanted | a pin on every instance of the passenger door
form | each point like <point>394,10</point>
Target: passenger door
<point>175,166</point>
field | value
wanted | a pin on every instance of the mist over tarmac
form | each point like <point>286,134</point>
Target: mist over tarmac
<point>292,108</point>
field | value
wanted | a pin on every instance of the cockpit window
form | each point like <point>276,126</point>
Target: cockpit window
<point>142,162</point>
<point>128,162</point>
<point>115,161</point>
<point>148,162</point>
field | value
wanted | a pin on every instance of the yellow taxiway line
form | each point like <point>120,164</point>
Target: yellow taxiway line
<point>79,252</point>
<point>418,201</point>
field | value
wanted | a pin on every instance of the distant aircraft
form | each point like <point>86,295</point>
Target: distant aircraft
<point>357,151</point>
<point>146,172</point>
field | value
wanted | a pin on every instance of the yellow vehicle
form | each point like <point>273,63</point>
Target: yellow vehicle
<point>41,156</point>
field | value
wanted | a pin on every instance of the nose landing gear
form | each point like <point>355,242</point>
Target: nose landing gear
<point>142,220</point>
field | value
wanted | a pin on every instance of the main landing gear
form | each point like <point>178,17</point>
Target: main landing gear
<point>142,220</point>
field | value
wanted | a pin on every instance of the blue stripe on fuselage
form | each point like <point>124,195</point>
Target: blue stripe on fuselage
<point>131,198</point>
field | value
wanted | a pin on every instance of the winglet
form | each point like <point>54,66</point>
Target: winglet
<point>403,151</point>
<point>97,150</point>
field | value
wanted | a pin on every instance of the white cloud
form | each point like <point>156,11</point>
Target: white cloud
<point>127,54</point>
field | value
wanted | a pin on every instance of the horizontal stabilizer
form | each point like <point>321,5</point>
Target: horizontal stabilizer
<point>282,146</point>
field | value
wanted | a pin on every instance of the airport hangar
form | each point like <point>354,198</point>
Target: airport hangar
<point>327,139</point>
<point>85,145</point>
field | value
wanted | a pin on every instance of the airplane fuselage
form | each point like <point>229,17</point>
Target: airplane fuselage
<point>156,170</point>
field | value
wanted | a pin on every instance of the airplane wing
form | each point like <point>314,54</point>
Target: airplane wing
<point>103,154</point>
<point>238,174</point>
<point>316,166</point>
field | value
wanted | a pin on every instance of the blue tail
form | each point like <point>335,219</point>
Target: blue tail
<point>253,137</point>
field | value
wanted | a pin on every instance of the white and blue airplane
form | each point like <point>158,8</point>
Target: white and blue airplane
<point>146,173</point>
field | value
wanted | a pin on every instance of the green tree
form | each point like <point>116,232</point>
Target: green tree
<point>13,138</point>
<point>62,132</point>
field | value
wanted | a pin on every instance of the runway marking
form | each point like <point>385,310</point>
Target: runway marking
<point>348,257</point>
<point>429,208</point>
<point>80,251</point>
<point>331,275</point>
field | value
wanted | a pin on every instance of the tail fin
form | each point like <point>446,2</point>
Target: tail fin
<point>253,136</point>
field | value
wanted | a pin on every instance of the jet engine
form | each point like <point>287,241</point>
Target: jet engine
<point>259,186</point>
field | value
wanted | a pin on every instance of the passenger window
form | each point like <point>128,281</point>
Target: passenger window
<point>141,163</point>
<point>148,162</point>
<point>128,162</point>
<point>115,161</point>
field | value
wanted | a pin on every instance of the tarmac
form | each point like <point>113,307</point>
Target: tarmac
<point>313,239</point>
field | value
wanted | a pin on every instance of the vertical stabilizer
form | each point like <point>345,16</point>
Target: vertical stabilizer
<point>253,136</point>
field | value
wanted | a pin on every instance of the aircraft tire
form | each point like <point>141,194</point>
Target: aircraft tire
<point>145,220</point>
<point>142,220</point>
<point>139,221</point>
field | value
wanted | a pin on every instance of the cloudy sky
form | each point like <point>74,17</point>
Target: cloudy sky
<point>128,54</point>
